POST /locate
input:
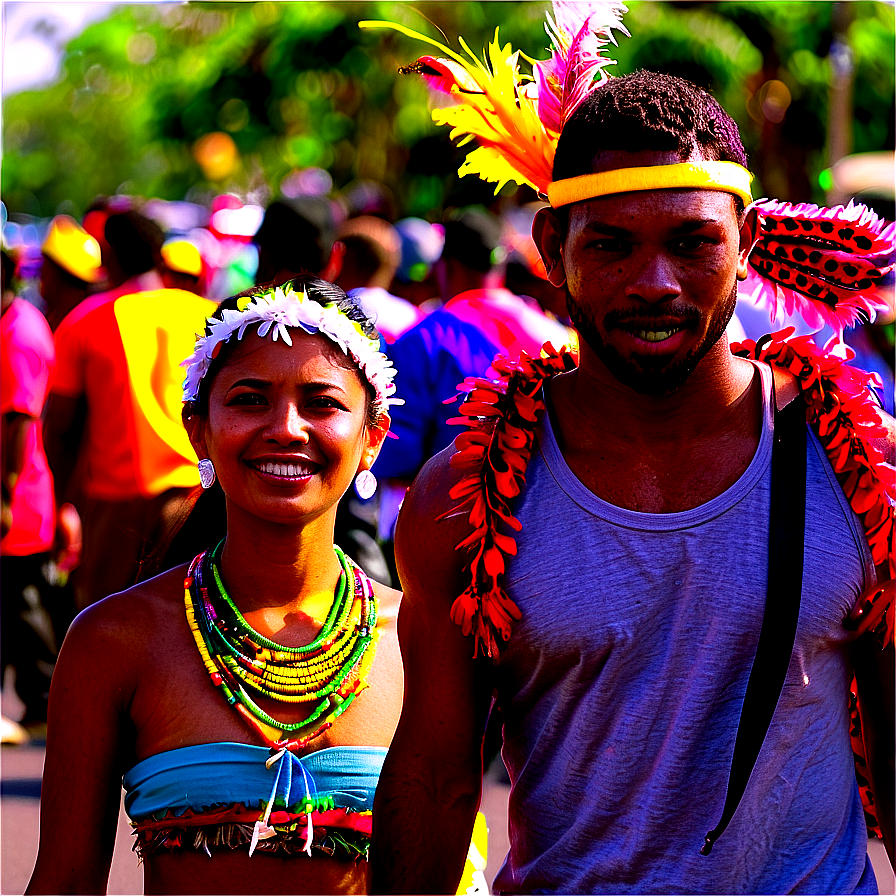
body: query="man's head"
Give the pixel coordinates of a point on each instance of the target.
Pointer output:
(472, 248)
(136, 244)
(650, 273)
(297, 236)
(70, 264)
(372, 253)
(647, 110)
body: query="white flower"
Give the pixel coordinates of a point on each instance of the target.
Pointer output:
(275, 312)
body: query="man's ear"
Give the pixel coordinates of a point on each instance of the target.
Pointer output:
(195, 427)
(549, 235)
(750, 231)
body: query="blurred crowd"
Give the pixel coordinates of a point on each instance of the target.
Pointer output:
(98, 313)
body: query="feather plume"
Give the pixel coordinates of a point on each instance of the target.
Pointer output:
(515, 119)
(579, 32)
(824, 263)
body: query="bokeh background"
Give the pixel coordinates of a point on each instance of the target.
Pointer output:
(185, 101)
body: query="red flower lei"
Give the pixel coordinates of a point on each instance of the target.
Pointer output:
(495, 450)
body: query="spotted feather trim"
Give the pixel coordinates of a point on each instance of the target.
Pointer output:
(825, 264)
(338, 833)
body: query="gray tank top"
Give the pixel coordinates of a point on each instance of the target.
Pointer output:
(622, 685)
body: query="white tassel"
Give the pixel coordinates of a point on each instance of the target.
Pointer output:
(262, 830)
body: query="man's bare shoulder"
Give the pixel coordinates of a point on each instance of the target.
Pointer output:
(430, 526)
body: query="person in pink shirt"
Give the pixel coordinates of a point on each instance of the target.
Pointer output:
(469, 280)
(26, 367)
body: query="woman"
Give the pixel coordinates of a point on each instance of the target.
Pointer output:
(248, 697)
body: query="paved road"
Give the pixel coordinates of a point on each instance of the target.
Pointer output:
(20, 773)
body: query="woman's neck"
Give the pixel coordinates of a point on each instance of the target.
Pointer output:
(282, 569)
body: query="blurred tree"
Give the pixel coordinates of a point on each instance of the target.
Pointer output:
(297, 84)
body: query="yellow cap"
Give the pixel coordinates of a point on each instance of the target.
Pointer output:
(73, 249)
(183, 257)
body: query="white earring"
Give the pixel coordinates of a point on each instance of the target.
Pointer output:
(206, 473)
(365, 484)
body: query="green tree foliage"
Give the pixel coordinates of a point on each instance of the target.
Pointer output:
(299, 84)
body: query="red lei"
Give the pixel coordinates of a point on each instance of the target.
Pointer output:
(495, 451)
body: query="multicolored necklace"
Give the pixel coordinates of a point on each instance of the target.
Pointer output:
(330, 671)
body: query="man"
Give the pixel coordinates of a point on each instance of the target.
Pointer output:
(372, 255)
(297, 236)
(641, 574)
(112, 433)
(183, 267)
(455, 341)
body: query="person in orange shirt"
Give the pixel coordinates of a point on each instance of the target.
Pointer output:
(114, 420)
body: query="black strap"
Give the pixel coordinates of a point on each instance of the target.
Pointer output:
(782, 603)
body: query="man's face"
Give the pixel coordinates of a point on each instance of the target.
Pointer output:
(651, 276)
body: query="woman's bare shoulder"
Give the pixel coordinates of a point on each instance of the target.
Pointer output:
(133, 613)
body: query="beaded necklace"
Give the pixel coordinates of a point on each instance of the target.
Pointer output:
(330, 671)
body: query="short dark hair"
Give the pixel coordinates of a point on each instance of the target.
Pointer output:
(295, 235)
(321, 291)
(646, 110)
(471, 237)
(136, 241)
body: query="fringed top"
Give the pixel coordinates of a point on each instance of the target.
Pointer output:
(230, 794)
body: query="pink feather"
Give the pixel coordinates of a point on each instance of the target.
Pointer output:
(579, 32)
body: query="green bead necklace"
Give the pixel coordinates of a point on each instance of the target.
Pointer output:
(330, 671)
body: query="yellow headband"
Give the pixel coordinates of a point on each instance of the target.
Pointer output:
(729, 177)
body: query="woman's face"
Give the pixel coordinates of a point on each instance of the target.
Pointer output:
(286, 427)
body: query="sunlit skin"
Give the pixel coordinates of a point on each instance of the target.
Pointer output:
(130, 683)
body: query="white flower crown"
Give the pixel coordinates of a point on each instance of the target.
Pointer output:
(277, 309)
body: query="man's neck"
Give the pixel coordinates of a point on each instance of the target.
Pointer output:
(658, 453)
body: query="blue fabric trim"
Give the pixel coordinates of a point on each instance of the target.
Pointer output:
(204, 775)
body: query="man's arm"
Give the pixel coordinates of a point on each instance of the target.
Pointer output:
(12, 458)
(63, 431)
(431, 783)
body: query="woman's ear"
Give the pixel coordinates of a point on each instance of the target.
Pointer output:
(376, 435)
(548, 234)
(195, 426)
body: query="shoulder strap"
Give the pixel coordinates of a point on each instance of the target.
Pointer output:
(782, 603)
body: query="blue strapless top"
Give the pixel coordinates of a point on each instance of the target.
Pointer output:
(204, 775)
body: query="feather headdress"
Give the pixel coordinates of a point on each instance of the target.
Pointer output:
(516, 119)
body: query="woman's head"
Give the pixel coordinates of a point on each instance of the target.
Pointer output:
(287, 394)
(306, 304)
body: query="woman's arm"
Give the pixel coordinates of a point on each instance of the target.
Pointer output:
(87, 746)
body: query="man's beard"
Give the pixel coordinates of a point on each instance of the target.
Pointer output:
(651, 375)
